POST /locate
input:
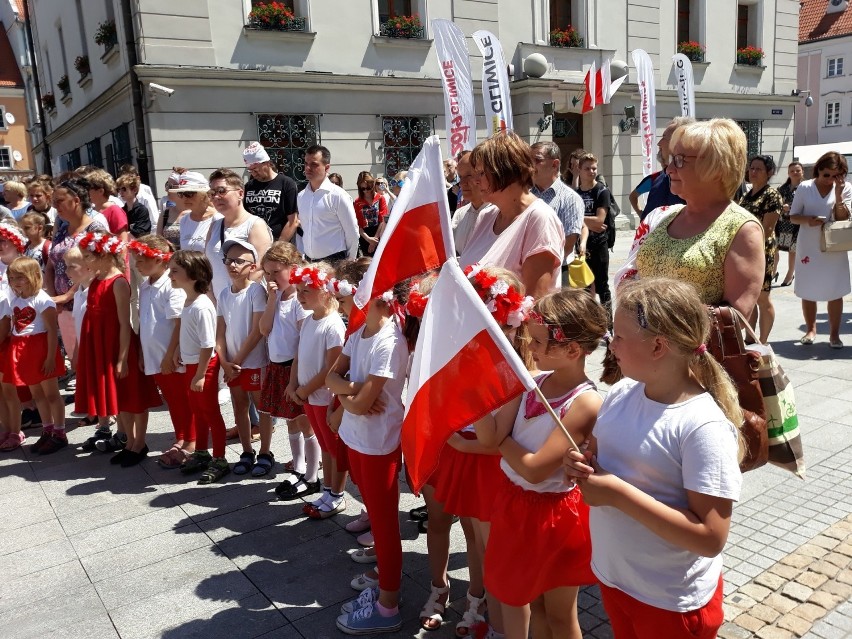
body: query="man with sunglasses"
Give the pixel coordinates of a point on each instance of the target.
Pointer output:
(270, 195)
(326, 213)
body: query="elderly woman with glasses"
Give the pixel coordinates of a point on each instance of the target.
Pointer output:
(710, 241)
(765, 203)
(821, 277)
(226, 193)
(171, 209)
(197, 212)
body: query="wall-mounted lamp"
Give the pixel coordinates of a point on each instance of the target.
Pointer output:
(547, 109)
(629, 123)
(809, 101)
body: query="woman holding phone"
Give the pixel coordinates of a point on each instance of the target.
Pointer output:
(821, 277)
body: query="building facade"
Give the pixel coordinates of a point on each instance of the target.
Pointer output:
(16, 159)
(191, 83)
(825, 56)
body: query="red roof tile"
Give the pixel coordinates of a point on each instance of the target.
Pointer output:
(816, 24)
(10, 75)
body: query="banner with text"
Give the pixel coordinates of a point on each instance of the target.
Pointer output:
(454, 59)
(685, 85)
(647, 108)
(495, 83)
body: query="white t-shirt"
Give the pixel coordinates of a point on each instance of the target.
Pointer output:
(237, 310)
(536, 230)
(197, 329)
(213, 248)
(78, 311)
(193, 235)
(385, 354)
(315, 339)
(283, 341)
(159, 305)
(5, 293)
(464, 219)
(27, 313)
(663, 450)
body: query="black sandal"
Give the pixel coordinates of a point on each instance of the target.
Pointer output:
(245, 464)
(300, 489)
(419, 514)
(264, 464)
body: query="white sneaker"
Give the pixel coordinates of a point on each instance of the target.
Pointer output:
(364, 581)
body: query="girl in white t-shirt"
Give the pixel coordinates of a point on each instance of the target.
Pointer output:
(280, 324)
(662, 474)
(34, 357)
(539, 549)
(191, 272)
(375, 358)
(320, 342)
(160, 309)
(12, 245)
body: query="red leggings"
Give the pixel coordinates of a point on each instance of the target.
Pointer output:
(205, 408)
(377, 478)
(175, 390)
(632, 619)
(328, 440)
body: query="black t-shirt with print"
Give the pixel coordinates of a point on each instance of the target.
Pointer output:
(272, 201)
(596, 197)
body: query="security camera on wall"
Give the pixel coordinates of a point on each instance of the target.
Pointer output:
(160, 89)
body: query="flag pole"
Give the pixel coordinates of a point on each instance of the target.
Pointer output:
(556, 419)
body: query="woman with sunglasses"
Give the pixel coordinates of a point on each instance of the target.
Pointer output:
(710, 242)
(370, 211)
(197, 213)
(171, 209)
(822, 277)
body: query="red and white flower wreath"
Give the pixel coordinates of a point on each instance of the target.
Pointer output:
(101, 243)
(143, 250)
(505, 304)
(416, 305)
(14, 235)
(310, 276)
(340, 287)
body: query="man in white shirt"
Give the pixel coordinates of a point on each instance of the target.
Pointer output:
(465, 216)
(326, 214)
(562, 198)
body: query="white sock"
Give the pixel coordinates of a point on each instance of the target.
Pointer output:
(313, 454)
(331, 501)
(297, 447)
(325, 495)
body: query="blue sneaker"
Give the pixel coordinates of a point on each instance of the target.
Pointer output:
(368, 621)
(367, 596)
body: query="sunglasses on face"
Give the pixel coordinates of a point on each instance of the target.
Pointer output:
(188, 195)
(219, 190)
(227, 261)
(398, 183)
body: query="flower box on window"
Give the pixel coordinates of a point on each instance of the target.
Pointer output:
(402, 27)
(692, 50)
(274, 16)
(567, 37)
(48, 101)
(106, 35)
(64, 85)
(750, 56)
(81, 63)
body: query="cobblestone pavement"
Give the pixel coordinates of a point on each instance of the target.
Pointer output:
(91, 550)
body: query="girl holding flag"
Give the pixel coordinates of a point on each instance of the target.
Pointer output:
(539, 549)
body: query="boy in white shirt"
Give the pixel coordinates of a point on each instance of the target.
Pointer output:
(242, 351)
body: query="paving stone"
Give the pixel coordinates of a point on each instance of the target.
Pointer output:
(25, 590)
(844, 577)
(785, 572)
(732, 631)
(844, 591)
(811, 579)
(755, 591)
(844, 549)
(764, 613)
(825, 541)
(824, 568)
(825, 599)
(100, 539)
(839, 560)
(780, 603)
(770, 580)
(796, 625)
(740, 600)
(804, 556)
(797, 591)
(73, 612)
(752, 624)
(809, 611)
(36, 558)
(773, 632)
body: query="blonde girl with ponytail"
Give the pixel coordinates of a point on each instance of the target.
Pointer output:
(662, 472)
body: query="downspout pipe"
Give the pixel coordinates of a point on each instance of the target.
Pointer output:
(136, 93)
(39, 106)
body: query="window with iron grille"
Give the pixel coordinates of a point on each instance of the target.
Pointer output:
(286, 137)
(754, 135)
(6, 157)
(403, 137)
(3, 126)
(71, 160)
(120, 148)
(93, 152)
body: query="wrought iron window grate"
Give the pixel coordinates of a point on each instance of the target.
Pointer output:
(403, 138)
(286, 137)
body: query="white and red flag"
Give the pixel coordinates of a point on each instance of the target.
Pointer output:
(600, 87)
(464, 368)
(417, 237)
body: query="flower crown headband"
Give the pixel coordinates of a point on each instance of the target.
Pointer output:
(14, 235)
(100, 243)
(142, 249)
(416, 305)
(340, 287)
(504, 302)
(310, 276)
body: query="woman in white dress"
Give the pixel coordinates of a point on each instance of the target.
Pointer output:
(822, 277)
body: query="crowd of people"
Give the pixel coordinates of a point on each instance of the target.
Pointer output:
(246, 289)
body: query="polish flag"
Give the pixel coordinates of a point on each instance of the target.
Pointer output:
(417, 237)
(464, 368)
(599, 86)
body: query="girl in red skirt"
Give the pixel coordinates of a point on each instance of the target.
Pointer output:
(539, 549)
(160, 307)
(13, 242)
(109, 378)
(34, 357)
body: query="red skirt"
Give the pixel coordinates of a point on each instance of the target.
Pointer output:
(27, 354)
(273, 396)
(466, 483)
(538, 542)
(4, 361)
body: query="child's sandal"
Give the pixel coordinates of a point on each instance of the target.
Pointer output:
(245, 464)
(263, 465)
(471, 617)
(432, 615)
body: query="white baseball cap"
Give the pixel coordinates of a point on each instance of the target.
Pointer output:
(254, 154)
(192, 181)
(242, 244)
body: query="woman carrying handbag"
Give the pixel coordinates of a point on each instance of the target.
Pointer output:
(822, 276)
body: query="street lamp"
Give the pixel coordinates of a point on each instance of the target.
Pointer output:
(809, 101)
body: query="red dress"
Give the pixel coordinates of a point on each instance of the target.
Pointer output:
(99, 391)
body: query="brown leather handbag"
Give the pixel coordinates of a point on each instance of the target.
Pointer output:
(727, 346)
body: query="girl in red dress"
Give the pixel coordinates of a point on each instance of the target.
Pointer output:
(109, 379)
(34, 357)
(13, 242)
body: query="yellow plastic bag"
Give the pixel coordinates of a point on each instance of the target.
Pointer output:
(579, 273)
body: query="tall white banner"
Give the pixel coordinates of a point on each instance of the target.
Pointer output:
(459, 109)
(685, 84)
(647, 108)
(495, 83)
